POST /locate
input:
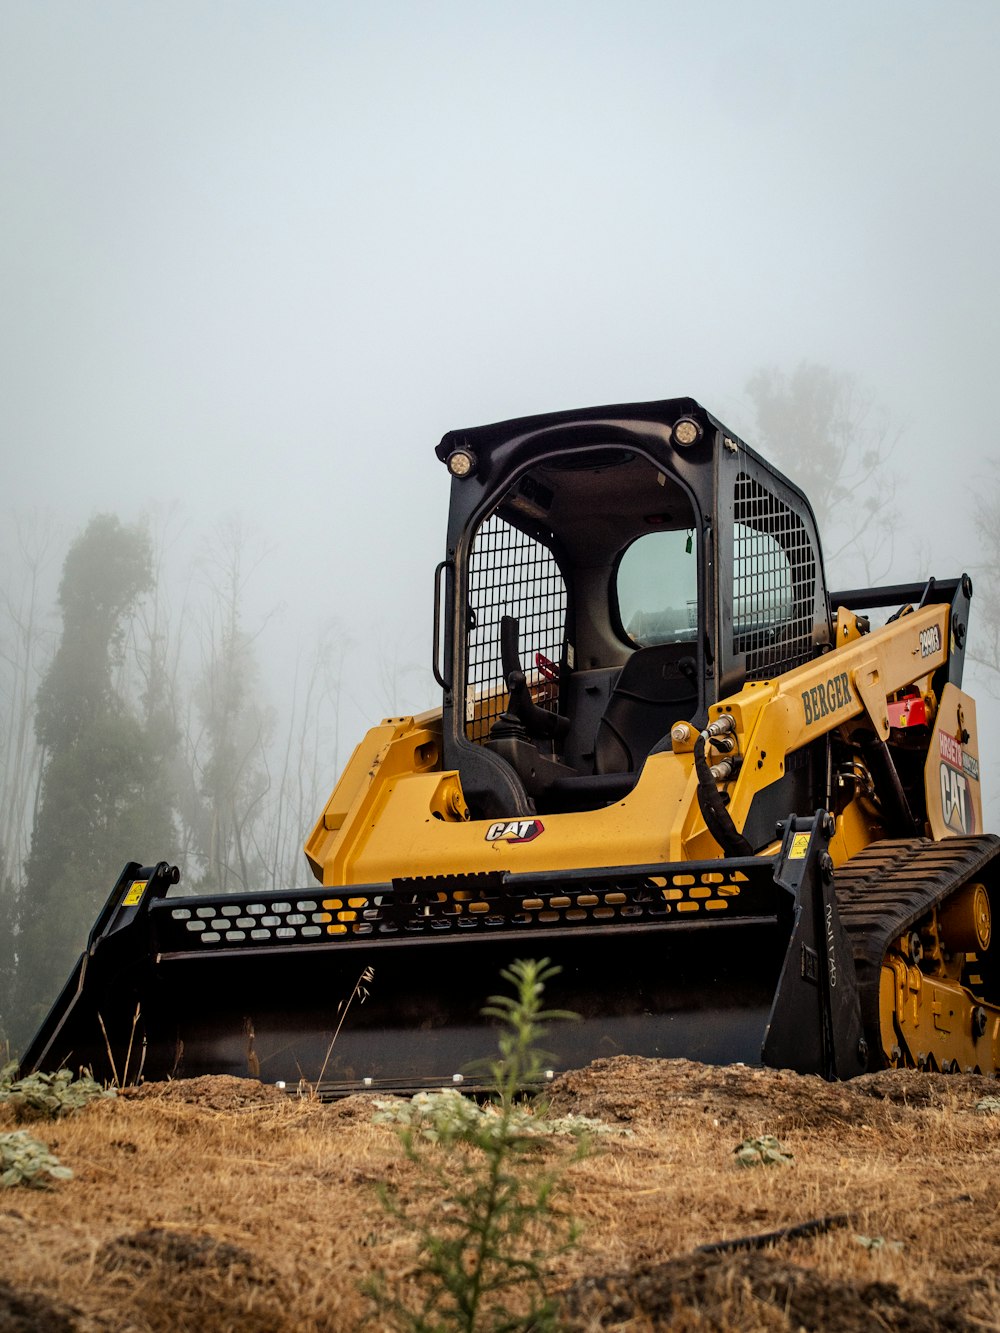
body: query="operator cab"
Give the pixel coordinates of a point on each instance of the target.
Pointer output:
(583, 598)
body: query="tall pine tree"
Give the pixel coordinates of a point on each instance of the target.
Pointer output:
(105, 795)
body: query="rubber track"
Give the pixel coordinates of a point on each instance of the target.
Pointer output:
(887, 888)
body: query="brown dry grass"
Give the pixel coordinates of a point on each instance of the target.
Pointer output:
(220, 1204)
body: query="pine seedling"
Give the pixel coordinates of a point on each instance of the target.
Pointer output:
(484, 1251)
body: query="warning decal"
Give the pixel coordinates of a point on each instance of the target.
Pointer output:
(800, 845)
(136, 889)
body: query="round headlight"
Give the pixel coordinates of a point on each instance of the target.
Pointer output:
(686, 432)
(461, 463)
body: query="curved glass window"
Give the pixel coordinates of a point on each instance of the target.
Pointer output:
(762, 583)
(657, 588)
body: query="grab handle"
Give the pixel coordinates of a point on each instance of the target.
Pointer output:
(435, 659)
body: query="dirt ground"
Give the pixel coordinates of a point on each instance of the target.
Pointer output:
(224, 1204)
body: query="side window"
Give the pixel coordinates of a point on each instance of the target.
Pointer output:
(657, 589)
(762, 585)
(774, 582)
(511, 574)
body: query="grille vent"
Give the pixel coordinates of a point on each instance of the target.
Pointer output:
(774, 583)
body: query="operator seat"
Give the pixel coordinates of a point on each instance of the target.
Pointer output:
(657, 687)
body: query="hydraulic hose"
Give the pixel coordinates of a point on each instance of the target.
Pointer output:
(711, 802)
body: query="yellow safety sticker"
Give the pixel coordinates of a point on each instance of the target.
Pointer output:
(800, 845)
(135, 893)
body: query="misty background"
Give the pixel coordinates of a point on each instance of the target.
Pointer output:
(257, 259)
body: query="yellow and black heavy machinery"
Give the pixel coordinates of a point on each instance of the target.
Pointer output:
(744, 820)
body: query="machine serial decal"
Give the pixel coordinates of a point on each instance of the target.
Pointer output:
(930, 641)
(953, 754)
(826, 698)
(514, 830)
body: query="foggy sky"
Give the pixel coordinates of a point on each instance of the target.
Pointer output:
(259, 257)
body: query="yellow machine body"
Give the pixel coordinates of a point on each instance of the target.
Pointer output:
(394, 806)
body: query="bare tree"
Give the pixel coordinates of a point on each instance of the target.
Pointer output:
(309, 759)
(825, 430)
(399, 682)
(26, 646)
(227, 750)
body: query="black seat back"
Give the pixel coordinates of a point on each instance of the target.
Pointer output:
(657, 687)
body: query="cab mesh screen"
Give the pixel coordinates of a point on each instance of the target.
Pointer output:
(511, 574)
(774, 583)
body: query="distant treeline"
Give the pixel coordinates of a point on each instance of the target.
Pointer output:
(139, 731)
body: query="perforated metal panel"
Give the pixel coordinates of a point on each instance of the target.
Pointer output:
(510, 574)
(774, 582)
(485, 903)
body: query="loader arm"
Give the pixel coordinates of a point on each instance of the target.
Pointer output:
(776, 719)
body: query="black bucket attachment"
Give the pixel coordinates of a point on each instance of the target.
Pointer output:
(381, 986)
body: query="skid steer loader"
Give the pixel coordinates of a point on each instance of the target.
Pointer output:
(746, 824)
